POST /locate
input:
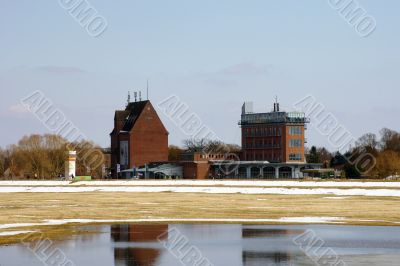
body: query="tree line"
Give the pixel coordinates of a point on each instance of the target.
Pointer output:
(44, 156)
(385, 151)
(202, 145)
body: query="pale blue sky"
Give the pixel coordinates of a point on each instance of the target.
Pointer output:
(212, 54)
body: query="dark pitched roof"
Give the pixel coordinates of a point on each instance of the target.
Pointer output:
(121, 115)
(135, 109)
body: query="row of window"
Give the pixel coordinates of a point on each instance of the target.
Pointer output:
(295, 157)
(277, 157)
(218, 156)
(295, 131)
(263, 143)
(265, 131)
(293, 143)
(271, 131)
(265, 157)
(260, 145)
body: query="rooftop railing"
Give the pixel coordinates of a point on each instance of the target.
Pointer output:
(274, 118)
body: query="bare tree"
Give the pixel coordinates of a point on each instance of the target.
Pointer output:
(210, 146)
(368, 142)
(387, 164)
(56, 151)
(234, 148)
(195, 145)
(174, 153)
(2, 162)
(32, 150)
(13, 162)
(325, 156)
(390, 140)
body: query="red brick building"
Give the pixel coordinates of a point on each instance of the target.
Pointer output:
(276, 137)
(198, 165)
(138, 138)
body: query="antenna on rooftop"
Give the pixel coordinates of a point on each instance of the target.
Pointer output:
(276, 105)
(135, 95)
(129, 98)
(147, 89)
(140, 96)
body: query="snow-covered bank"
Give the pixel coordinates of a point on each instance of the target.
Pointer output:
(283, 220)
(316, 220)
(211, 190)
(13, 233)
(330, 188)
(227, 183)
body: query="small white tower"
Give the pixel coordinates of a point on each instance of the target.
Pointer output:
(70, 164)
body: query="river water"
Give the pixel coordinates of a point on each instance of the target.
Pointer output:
(204, 245)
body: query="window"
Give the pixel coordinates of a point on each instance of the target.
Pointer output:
(295, 157)
(295, 143)
(295, 131)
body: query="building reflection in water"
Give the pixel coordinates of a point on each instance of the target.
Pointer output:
(270, 233)
(138, 245)
(255, 254)
(264, 258)
(137, 234)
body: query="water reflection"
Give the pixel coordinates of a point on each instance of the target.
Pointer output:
(139, 245)
(232, 245)
(136, 256)
(266, 258)
(258, 232)
(137, 234)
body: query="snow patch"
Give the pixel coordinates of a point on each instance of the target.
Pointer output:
(336, 198)
(260, 207)
(212, 190)
(13, 233)
(234, 183)
(168, 220)
(311, 219)
(6, 226)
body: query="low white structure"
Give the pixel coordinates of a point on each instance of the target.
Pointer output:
(260, 169)
(70, 165)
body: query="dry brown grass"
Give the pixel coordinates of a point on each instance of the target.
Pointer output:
(36, 207)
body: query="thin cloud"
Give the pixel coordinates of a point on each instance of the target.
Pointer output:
(246, 69)
(61, 70)
(234, 76)
(18, 109)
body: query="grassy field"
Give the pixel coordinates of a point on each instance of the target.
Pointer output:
(37, 207)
